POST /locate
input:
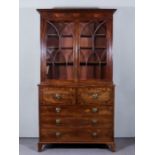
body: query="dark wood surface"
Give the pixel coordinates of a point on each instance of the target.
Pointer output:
(76, 110)
(76, 93)
(77, 134)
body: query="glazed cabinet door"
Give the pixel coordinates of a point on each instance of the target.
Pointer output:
(58, 39)
(76, 50)
(94, 50)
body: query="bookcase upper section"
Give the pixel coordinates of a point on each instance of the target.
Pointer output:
(76, 44)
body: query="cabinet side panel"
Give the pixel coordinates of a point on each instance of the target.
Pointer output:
(43, 48)
(109, 68)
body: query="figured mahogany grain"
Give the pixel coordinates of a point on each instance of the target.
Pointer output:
(76, 134)
(76, 97)
(50, 96)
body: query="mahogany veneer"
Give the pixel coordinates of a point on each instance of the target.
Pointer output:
(76, 93)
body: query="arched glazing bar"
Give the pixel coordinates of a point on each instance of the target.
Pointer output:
(87, 31)
(59, 56)
(60, 34)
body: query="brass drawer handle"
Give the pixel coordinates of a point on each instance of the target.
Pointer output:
(94, 134)
(58, 121)
(58, 96)
(94, 121)
(94, 109)
(95, 96)
(57, 109)
(58, 134)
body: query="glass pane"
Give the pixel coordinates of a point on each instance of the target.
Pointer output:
(59, 51)
(93, 50)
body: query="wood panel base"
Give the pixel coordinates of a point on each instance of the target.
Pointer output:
(111, 145)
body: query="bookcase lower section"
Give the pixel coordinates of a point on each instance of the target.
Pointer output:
(76, 115)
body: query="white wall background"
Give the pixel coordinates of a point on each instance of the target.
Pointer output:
(123, 55)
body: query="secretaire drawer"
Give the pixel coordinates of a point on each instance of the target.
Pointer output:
(50, 95)
(103, 96)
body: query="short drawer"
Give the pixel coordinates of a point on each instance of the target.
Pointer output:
(80, 110)
(102, 96)
(76, 134)
(50, 96)
(49, 122)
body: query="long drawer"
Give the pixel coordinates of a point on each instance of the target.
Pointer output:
(49, 122)
(78, 110)
(76, 134)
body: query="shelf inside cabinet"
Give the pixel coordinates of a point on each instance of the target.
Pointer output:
(93, 63)
(100, 35)
(81, 63)
(52, 35)
(60, 63)
(90, 48)
(90, 36)
(56, 48)
(63, 36)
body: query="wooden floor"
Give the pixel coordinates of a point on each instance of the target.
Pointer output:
(124, 146)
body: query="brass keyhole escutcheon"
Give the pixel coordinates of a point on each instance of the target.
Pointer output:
(57, 109)
(94, 121)
(95, 96)
(58, 134)
(58, 121)
(57, 96)
(94, 134)
(95, 110)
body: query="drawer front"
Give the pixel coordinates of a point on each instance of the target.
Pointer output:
(49, 122)
(50, 96)
(80, 110)
(76, 134)
(103, 96)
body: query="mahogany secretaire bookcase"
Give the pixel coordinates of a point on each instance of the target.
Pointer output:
(76, 93)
